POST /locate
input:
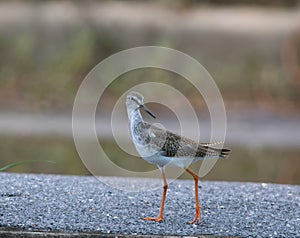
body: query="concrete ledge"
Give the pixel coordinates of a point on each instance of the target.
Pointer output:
(65, 206)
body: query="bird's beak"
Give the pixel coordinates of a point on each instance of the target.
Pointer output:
(146, 109)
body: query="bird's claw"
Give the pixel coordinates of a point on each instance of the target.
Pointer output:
(197, 216)
(156, 219)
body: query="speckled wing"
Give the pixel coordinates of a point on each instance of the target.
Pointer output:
(173, 145)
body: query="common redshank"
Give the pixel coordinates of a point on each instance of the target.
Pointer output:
(164, 148)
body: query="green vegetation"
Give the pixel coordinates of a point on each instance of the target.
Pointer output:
(9, 166)
(40, 73)
(60, 151)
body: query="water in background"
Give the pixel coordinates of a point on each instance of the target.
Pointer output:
(252, 52)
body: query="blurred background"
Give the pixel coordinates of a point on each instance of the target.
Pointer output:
(250, 47)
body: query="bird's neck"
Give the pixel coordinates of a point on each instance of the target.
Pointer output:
(135, 116)
(138, 128)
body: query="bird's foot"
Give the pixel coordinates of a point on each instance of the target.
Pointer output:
(197, 216)
(157, 219)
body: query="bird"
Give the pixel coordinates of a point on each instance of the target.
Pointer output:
(165, 148)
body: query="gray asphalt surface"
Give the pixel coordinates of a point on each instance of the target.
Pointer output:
(84, 204)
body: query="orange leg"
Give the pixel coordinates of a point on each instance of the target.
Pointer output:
(161, 211)
(198, 206)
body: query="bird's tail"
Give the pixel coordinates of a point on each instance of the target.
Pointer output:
(213, 152)
(224, 153)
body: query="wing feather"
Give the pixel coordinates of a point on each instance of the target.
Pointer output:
(173, 145)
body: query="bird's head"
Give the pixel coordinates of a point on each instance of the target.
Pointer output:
(135, 100)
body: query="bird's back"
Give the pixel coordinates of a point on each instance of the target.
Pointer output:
(170, 144)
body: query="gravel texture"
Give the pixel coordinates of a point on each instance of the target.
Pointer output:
(73, 204)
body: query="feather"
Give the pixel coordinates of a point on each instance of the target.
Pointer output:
(173, 145)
